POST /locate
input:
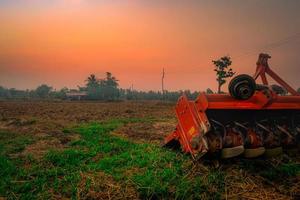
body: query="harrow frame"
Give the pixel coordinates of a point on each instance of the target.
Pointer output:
(193, 122)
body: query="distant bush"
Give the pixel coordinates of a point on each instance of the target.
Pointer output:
(43, 91)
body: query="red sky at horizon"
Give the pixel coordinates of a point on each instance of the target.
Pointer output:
(61, 42)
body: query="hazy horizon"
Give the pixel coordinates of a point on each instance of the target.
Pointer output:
(61, 42)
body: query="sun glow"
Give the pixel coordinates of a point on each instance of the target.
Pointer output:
(135, 40)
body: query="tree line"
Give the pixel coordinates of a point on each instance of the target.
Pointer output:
(107, 88)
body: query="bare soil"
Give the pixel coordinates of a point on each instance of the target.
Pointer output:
(46, 120)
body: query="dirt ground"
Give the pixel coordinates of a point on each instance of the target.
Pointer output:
(46, 121)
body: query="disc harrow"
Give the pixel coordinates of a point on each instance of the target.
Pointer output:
(251, 121)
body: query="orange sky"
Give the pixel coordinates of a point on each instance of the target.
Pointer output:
(61, 42)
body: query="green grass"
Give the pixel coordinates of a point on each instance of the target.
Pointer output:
(280, 172)
(155, 172)
(269, 171)
(11, 143)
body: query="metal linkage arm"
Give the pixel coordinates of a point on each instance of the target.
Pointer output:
(263, 68)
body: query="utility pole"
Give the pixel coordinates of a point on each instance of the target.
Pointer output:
(162, 83)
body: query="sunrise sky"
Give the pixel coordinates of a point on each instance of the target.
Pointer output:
(61, 42)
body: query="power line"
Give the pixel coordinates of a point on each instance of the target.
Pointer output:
(271, 45)
(268, 46)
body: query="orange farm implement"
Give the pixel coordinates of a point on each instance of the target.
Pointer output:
(252, 120)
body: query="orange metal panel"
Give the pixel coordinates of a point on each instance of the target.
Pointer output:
(258, 101)
(193, 122)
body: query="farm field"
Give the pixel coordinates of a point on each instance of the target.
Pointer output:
(94, 150)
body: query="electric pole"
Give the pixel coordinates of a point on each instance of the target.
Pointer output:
(162, 83)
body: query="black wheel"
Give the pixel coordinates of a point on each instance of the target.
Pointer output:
(242, 87)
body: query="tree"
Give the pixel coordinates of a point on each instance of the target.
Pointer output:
(93, 87)
(92, 81)
(110, 84)
(43, 91)
(60, 94)
(298, 90)
(222, 70)
(209, 91)
(102, 89)
(3, 92)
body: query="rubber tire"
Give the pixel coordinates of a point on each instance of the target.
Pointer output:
(242, 87)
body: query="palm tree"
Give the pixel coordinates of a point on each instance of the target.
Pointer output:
(111, 81)
(93, 87)
(92, 81)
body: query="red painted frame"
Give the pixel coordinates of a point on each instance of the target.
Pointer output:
(193, 123)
